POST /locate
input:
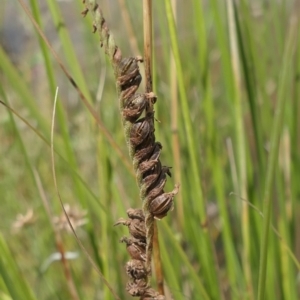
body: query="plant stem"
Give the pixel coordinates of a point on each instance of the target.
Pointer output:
(147, 17)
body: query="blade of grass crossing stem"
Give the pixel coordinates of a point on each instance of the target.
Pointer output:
(278, 120)
(204, 239)
(14, 281)
(60, 111)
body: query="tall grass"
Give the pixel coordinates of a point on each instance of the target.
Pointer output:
(235, 232)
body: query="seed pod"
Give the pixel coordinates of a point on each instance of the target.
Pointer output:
(136, 288)
(151, 294)
(135, 213)
(127, 92)
(153, 180)
(146, 169)
(155, 192)
(136, 228)
(148, 164)
(136, 269)
(156, 151)
(157, 179)
(126, 66)
(141, 130)
(160, 206)
(128, 73)
(150, 141)
(135, 101)
(134, 107)
(142, 154)
(135, 248)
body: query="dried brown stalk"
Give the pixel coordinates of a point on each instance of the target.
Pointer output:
(138, 121)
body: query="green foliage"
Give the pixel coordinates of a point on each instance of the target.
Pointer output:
(234, 232)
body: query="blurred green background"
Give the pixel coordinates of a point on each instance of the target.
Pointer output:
(226, 74)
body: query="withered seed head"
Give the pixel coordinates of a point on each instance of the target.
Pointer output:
(148, 167)
(136, 228)
(136, 288)
(142, 154)
(135, 213)
(160, 206)
(135, 248)
(128, 73)
(151, 294)
(136, 269)
(140, 131)
(155, 180)
(134, 107)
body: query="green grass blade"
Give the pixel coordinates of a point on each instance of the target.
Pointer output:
(274, 144)
(206, 248)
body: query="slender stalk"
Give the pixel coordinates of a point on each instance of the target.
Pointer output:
(147, 17)
(274, 144)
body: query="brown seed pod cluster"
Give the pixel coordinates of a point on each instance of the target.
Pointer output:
(136, 246)
(138, 122)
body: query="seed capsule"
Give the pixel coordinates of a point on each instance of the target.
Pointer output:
(151, 294)
(157, 179)
(149, 166)
(143, 153)
(136, 228)
(135, 248)
(141, 130)
(150, 163)
(135, 213)
(128, 73)
(160, 206)
(136, 288)
(134, 107)
(136, 269)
